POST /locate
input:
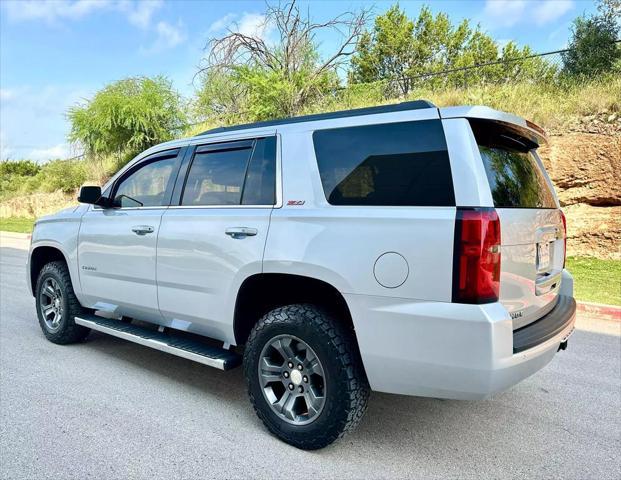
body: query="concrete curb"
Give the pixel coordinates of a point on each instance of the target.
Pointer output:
(609, 312)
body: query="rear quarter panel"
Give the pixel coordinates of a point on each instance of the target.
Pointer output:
(341, 244)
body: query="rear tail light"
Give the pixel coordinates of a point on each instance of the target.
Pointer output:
(476, 259)
(565, 232)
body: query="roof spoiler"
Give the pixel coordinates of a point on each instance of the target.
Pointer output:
(527, 129)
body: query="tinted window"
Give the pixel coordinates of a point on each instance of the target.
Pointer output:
(514, 175)
(260, 186)
(146, 186)
(216, 177)
(391, 164)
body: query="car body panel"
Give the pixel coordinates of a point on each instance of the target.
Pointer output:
(117, 266)
(200, 268)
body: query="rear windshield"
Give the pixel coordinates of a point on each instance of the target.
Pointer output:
(514, 174)
(393, 164)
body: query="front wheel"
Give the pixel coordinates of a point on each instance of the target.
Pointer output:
(57, 305)
(305, 377)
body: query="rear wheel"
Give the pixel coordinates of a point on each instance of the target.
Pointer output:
(57, 305)
(305, 378)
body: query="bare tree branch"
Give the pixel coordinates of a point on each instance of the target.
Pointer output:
(286, 45)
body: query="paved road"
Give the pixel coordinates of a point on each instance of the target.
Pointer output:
(111, 409)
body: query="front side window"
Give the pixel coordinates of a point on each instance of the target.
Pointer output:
(393, 164)
(147, 186)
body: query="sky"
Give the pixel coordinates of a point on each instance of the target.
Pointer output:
(54, 54)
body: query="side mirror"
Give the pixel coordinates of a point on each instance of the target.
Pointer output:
(91, 195)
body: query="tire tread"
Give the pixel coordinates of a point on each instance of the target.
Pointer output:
(356, 387)
(70, 332)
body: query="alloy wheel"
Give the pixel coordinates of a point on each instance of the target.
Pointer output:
(292, 379)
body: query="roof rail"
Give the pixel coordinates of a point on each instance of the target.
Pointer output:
(355, 112)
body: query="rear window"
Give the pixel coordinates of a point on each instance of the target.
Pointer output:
(515, 177)
(394, 164)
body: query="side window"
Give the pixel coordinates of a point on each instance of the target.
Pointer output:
(393, 164)
(245, 175)
(146, 186)
(260, 186)
(216, 177)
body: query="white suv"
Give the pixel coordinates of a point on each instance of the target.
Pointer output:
(404, 248)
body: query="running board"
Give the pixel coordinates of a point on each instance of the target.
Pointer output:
(170, 343)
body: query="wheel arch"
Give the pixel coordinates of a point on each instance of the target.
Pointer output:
(263, 292)
(39, 257)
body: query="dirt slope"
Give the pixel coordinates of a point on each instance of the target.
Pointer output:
(584, 162)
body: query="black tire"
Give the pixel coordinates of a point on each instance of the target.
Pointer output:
(347, 388)
(67, 331)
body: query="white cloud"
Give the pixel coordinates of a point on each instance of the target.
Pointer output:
(138, 12)
(504, 13)
(62, 150)
(52, 11)
(222, 23)
(250, 24)
(253, 25)
(6, 94)
(168, 36)
(34, 122)
(550, 10)
(507, 13)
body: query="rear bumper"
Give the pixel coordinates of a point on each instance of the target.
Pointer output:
(447, 350)
(549, 326)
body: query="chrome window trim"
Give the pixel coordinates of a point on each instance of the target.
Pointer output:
(177, 207)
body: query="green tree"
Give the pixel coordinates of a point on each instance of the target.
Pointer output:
(592, 48)
(127, 117)
(401, 52)
(388, 53)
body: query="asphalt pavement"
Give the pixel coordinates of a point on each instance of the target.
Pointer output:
(112, 409)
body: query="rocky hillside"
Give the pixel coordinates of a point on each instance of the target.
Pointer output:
(584, 162)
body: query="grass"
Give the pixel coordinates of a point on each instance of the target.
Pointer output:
(16, 224)
(596, 280)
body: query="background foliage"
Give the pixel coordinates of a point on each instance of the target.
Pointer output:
(245, 78)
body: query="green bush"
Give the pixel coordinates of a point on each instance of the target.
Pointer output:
(64, 175)
(127, 117)
(23, 168)
(24, 176)
(14, 174)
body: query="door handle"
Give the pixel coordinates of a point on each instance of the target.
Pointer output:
(142, 229)
(241, 232)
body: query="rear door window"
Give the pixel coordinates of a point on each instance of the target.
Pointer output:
(216, 178)
(233, 173)
(515, 176)
(393, 164)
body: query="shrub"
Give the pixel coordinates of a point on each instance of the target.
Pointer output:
(64, 175)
